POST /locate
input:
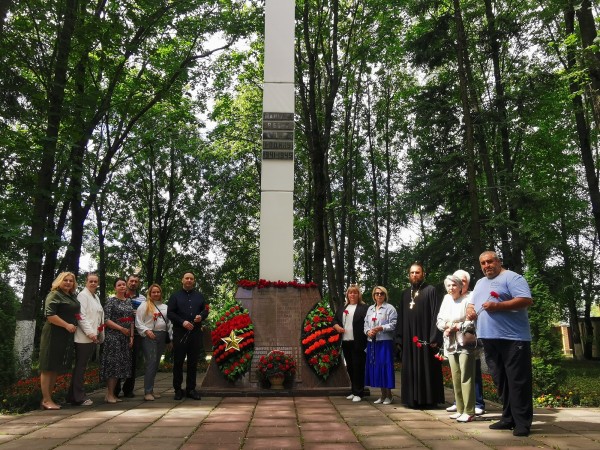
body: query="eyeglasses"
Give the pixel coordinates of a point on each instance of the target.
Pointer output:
(379, 293)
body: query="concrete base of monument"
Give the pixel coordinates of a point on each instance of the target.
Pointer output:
(278, 315)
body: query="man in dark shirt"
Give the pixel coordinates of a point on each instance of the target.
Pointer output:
(186, 310)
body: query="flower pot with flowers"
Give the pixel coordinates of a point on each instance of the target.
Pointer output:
(277, 367)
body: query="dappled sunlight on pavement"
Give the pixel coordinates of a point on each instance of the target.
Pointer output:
(324, 423)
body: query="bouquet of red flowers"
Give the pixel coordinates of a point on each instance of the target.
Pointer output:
(276, 363)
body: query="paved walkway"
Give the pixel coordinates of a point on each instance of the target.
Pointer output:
(308, 423)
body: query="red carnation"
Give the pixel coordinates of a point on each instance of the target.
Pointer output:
(346, 311)
(494, 294)
(419, 345)
(415, 339)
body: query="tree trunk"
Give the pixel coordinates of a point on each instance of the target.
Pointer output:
(583, 129)
(463, 68)
(317, 102)
(101, 248)
(587, 29)
(512, 253)
(43, 194)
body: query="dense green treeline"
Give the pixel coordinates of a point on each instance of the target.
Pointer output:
(426, 130)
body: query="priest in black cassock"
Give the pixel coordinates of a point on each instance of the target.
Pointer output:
(421, 381)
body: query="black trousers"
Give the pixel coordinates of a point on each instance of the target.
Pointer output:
(83, 353)
(355, 365)
(510, 366)
(186, 344)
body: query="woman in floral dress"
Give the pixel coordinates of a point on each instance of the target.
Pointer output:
(116, 359)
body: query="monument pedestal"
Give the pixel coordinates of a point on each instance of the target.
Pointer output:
(278, 315)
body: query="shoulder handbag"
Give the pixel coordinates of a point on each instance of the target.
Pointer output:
(167, 337)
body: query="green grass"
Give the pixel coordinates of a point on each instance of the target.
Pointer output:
(582, 383)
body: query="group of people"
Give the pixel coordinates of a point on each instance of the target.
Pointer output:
(127, 324)
(424, 328)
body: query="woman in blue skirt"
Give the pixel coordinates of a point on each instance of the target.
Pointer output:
(380, 327)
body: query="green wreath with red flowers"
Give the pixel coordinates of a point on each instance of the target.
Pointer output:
(321, 344)
(233, 340)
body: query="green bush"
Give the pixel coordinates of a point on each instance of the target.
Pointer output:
(546, 345)
(8, 311)
(547, 377)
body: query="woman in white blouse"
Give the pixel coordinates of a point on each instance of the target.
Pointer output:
(152, 324)
(452, 321)
(87, 336)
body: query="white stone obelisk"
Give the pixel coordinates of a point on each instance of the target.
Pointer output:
(277, 178)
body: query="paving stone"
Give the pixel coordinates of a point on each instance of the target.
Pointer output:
(373, 430)
(255, 432)
(264, 422)
(18, 428)
(116, 426)
(307, 423)
(111, 439)
(400, 441)
(457, 444)
(167, 432)
(326, 436)
(333, 446)
(137, 443)
(7, 437)
(56, 432)
(330, 426)
(231, 438)
(570, 442)
(272, 444)
(223, 427)
(32, 444)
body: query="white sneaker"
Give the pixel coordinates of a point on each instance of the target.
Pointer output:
(356, 398)
(387, 401)
(479, 411)
(378, 401)
(455, 415)
(451, 408)
(465, 418)
(350, 397)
